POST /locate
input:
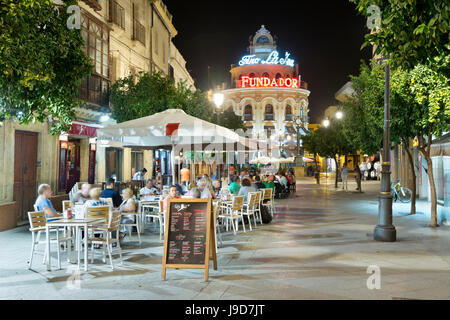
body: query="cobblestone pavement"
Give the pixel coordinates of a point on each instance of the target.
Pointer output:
(319, 246)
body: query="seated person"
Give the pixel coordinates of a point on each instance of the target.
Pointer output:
(82, 195)
(196, 194)
(149, 192)
(94, 200)
(173, 194)
(270, 182)
(127, 205)
(179, 189)
(246, 188)
(43, 202)
(258, 184)
(216, 188)
(206, 189)
(140, 175)
(235, 185)
(191, 187)
(109, 192)
(283, 180)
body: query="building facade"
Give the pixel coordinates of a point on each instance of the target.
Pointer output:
(267, 92)
(122, 37)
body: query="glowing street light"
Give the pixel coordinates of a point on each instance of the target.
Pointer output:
(218, 99)
(104, 118)
(339, 115)
(326, 123)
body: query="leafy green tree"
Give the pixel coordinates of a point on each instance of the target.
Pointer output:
(411, 32)
(148, 94)
(428, 92)
(230, 120)
(365, 114)
(41, 63)
(329, 142)
(144, 95)
(419, 107)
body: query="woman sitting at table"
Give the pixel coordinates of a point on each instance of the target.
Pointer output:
(94, 200)
(246, 188)
(216, 188)
(127, 205)
(191, 188)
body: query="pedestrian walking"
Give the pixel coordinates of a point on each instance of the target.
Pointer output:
(344, 175)
(358, 179)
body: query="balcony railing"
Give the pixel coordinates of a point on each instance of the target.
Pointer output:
(248, 117)
(95, 90)
(139, 32)
(269, 117)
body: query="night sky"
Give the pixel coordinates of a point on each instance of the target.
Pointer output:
(324, 38)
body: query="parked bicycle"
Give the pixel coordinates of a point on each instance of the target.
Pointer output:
(400, 193)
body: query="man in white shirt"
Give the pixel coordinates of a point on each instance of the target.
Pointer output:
(140, 174)
(148, 192)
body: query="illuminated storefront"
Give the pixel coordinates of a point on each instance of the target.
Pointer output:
(267, 92)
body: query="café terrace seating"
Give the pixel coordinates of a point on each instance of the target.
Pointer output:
(100, 236)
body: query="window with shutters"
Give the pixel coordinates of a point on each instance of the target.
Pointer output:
(95, 87)
(116, 14)
(138, 28)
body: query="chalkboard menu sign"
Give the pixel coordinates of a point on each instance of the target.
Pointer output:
(189, 235)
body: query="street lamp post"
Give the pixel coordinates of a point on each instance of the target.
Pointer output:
(218, 99)
(385, 231)
(298, 125)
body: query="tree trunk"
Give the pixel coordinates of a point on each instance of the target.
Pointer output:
(433, 222)
(411, 165)
(337, 173)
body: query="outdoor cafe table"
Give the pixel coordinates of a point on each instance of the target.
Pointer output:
(77, 224)
(151, 204)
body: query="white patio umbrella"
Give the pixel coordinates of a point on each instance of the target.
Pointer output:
(164, 129)
(170, 128)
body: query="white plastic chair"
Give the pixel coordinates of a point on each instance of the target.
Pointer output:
(112, 225)
(257, 207)
(136, 221)
(268, 197)
(38, 221)
(233, 212)
(249, 210)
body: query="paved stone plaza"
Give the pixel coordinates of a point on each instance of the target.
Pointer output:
(319, 246)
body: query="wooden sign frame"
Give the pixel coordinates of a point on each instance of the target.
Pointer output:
(210, 250)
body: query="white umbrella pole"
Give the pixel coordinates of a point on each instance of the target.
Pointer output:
(172, 160)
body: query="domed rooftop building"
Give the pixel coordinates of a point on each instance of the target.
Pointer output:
(268, 93)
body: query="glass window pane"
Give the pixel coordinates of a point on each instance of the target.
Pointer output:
(105, 59)
(98, 68)
(105, 70)
(91, 41)
(105, 48)
(92, 53)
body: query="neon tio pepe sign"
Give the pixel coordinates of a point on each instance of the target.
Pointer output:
(265, 82)
(272, 59)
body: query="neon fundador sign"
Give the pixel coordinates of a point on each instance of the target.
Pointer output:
(265, 82)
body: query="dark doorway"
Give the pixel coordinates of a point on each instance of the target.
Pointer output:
(73, 164)
(113, 162)
(25, 163)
